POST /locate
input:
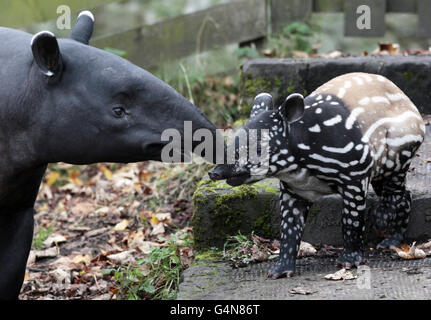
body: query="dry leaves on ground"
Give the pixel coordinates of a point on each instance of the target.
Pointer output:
(99, 218)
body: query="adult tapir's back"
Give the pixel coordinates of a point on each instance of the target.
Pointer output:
(388, 120)
(15, 56)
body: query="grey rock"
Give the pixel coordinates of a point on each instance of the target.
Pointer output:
(281, 77)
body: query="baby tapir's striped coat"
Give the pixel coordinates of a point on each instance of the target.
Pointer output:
(355, 130)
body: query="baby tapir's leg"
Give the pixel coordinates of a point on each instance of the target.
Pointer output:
(16, 234)
(294, 212)
(354, 203)
(393, 211)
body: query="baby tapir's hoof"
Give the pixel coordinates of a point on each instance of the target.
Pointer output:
(391, 241)
(280, 270)
(349, 259)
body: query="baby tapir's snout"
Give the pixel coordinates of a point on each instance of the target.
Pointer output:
(233, 175)
(221, 172)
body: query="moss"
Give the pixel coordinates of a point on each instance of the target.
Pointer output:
(262, 226)
(265, 187)
(291, 87)
(251, 87)
(224, 205)
(211, 254)
(227, 217)
(408, 75)
(271, 190)
(313, 212)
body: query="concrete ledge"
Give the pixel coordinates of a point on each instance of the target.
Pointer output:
(280, 77)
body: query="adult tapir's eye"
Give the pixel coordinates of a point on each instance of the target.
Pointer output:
(119, 112)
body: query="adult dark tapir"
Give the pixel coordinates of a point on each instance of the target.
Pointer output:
(62, 100)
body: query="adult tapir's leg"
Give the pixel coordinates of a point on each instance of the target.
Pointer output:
(294, 212)
(16, 234)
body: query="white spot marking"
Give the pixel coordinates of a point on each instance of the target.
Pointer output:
(346, 149)
(328, 160)
(353, 116)
(315, 128)
(303, 146)
(333, 121)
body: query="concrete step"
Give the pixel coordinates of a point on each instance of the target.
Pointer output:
(222, 210)
(281, 77)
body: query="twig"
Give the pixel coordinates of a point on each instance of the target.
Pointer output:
(189, 89)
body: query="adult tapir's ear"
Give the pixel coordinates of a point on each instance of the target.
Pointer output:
(84, 27)
(293, 108)
(47, 54)
(262, 102)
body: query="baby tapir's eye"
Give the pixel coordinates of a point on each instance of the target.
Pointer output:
(119, 112)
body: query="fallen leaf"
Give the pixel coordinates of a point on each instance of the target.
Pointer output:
(106, 171)
(48, 253)
(83, 208)
(134, 237)
(154, 221)
(31, 258)
(333, 55)
(52, 177)
(145, 247)
(122, 226)
(85, 259)
(390, 48)
(54, 239)
(96, 232)
(73, 178)
(426, 247)
(60, 276)
(306, 249)
(65, 263)
(342, 274)
(259, 255)
(122, 257)
(27, 276)
(300, 54)
(158, 229)
(186, 256)
(300, 290)
(164, 217)
(412, 253)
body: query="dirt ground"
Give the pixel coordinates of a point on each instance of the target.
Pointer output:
(92, 220)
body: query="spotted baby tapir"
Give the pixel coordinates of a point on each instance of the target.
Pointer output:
(355, 130)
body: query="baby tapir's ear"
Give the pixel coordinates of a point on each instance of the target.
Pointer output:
(47, 54)
(262, 102)
(293, 108)
(84, 27)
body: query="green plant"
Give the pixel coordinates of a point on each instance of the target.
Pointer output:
(157, 275)
(237, 249)
(42, 234)
(296, 36)
(246, 53)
